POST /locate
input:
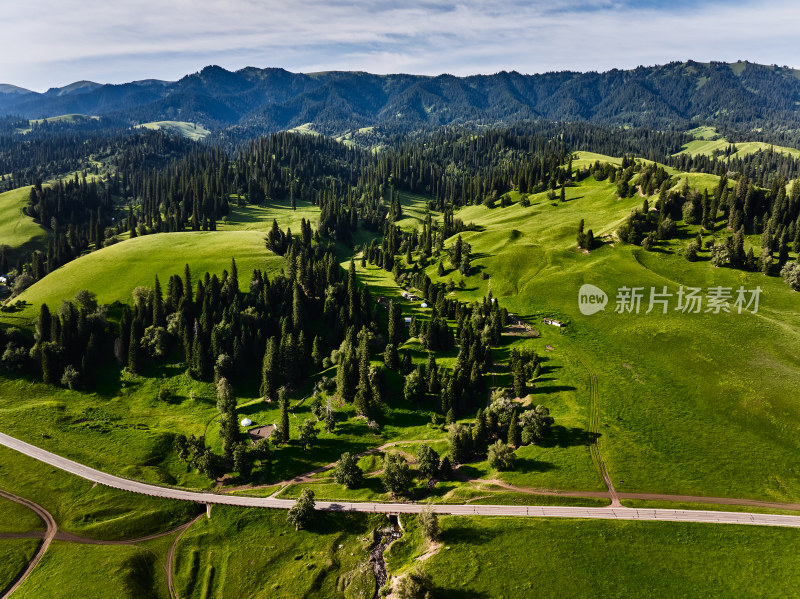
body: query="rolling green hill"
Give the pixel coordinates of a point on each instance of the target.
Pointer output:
(113, 272)
(193, 131)
(17, 230)
(691, 403)
(708, 141)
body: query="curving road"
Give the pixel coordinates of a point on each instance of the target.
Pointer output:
(603, 513)
(50, 532)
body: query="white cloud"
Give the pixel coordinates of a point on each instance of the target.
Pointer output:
(59, 42)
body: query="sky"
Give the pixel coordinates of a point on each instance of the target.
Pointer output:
(56, 42)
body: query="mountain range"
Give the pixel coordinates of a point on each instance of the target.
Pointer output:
(677, 93)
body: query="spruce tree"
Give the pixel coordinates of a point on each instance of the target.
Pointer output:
(134, 351)
(158, 305)
(316, 353)
(187, 285)
(514, 432)
(44, 324)
(283, 428)
(269, 370)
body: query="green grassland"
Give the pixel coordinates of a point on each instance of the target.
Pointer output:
(64, 118)
(305, 128)
(84, 509)
(15, 517)
(690, 403)
(113, 571)
(259, 217)
(506, 557)
(17, 230)
(708, 141)
(415, 210)
(192, 131)
(163, 254)
(14, 556)
(704, 132)
(256, 553)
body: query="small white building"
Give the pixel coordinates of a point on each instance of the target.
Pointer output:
(246, 422)
(424, 305)
(552, 321)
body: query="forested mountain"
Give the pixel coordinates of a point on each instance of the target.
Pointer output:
(257, 101)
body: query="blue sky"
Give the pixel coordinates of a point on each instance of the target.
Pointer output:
(112, 41)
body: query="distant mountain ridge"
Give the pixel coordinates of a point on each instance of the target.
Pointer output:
(273, 98)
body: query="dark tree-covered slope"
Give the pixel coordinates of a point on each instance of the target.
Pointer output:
(263, 100)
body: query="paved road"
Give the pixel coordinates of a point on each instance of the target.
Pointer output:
(604, 513)
(50, 532)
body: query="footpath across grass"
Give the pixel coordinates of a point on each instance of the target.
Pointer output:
(97, 571)
(14, 556)
(84, 509)
(17, 518)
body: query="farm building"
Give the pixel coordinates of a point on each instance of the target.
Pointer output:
(553, 321)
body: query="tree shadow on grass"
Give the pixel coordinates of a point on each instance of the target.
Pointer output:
(552, 389)
(569, 437)
(469, 536)
(529, 465)
(458, 594)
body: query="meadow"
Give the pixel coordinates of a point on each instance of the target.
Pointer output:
(18, 231)
(82, 508)
(16, 518)
(256, 553)
(103, 571)
(193, 131)
(708, 141)
(14, 556)
(144, 257)
(505, 557)
(690, 403)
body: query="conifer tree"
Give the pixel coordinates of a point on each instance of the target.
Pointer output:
(316, 352)
(134, 351)
(270, 370)
(44, 324)
(514, 432)
(158, 305)
(283, 427)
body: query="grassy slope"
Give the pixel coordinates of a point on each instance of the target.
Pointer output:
(70, 118)
(15, 517)
(17, 230)
(705, 406)
(255, 217)
(707, 141)
(14, 556)
(415, 209)
(193, 131)
(113, 272)
(707, 147)
(75, 570)
(504, 557)
(255, 553)
(84, 509)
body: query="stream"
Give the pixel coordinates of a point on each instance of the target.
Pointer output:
(389, 534)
